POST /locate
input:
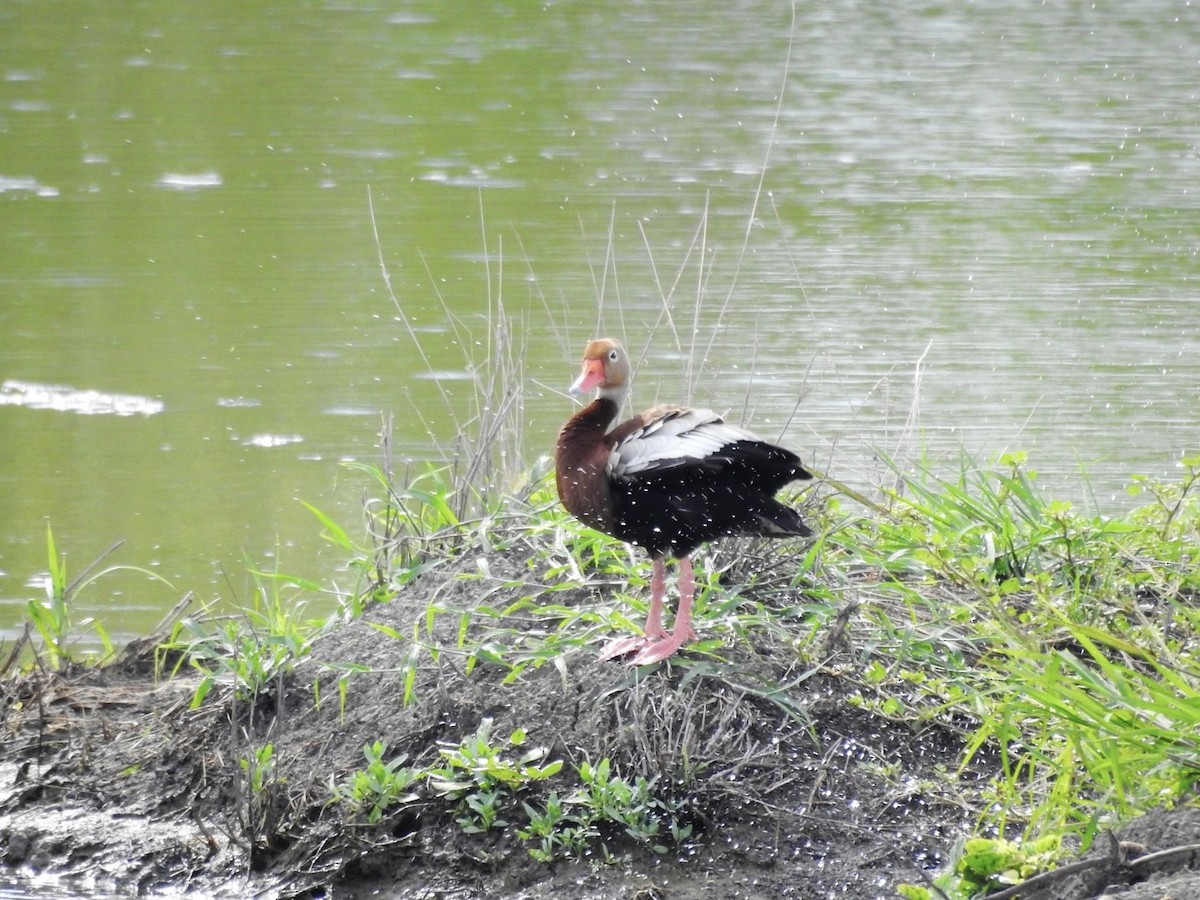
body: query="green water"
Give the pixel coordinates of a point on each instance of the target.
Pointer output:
(997, 201)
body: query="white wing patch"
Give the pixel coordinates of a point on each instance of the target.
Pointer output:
(675, 437)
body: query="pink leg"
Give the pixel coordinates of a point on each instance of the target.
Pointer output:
(658, 589)
(654, 630)
(683, 633)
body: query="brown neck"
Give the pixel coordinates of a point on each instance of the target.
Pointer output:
(585, 430)
(600, 413)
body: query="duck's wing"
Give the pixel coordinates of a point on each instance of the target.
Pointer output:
(670, 438)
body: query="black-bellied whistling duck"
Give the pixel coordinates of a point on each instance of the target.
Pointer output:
(667, 480)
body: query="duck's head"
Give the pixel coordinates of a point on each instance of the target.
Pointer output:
(605, 368)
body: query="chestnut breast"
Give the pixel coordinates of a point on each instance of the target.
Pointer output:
(580, 462)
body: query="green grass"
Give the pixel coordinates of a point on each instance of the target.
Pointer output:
(1062, 642)
(1069, 640)
(1066, 639)
(250, 650)
(54, 621)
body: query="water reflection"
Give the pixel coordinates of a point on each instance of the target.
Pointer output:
(67, 399)
(184, 182)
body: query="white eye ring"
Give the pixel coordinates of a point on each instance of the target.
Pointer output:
(612, 355)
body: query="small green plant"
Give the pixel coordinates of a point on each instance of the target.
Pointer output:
(986, 865)
(1174, 503)
(633, 805)
(250, 650)
(476, 762)
(258, 810)
(53, 619)
(481, 811)
(482, 778)
(259, 767)
(556, 831)
(603, 800)
(610, 798)
(383, 784)
(258, 814)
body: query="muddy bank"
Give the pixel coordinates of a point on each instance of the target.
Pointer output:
(113, 778)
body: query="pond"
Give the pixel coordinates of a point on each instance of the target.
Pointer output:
(238, 237)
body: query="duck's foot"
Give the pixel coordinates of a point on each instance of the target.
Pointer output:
(626, 646)
(623, 647)
(657, 651)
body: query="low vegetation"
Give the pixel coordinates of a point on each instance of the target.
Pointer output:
(1059, 646)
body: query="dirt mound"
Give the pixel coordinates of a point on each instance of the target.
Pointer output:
(779, 780)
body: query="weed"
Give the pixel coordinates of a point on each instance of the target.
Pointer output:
(1098, 729)
(556, 832)
(603, 800)
(259, 768)
(987, 865)
(250, 650)
(607, 797)
(1174, 504)
(53, 619)
(379, 787)
(258, 796)
(1084, 682)
(479, 776)
(487, 782)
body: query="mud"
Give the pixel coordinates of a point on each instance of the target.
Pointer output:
(111, 779)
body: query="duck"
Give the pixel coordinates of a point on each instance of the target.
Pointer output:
(667, 480)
